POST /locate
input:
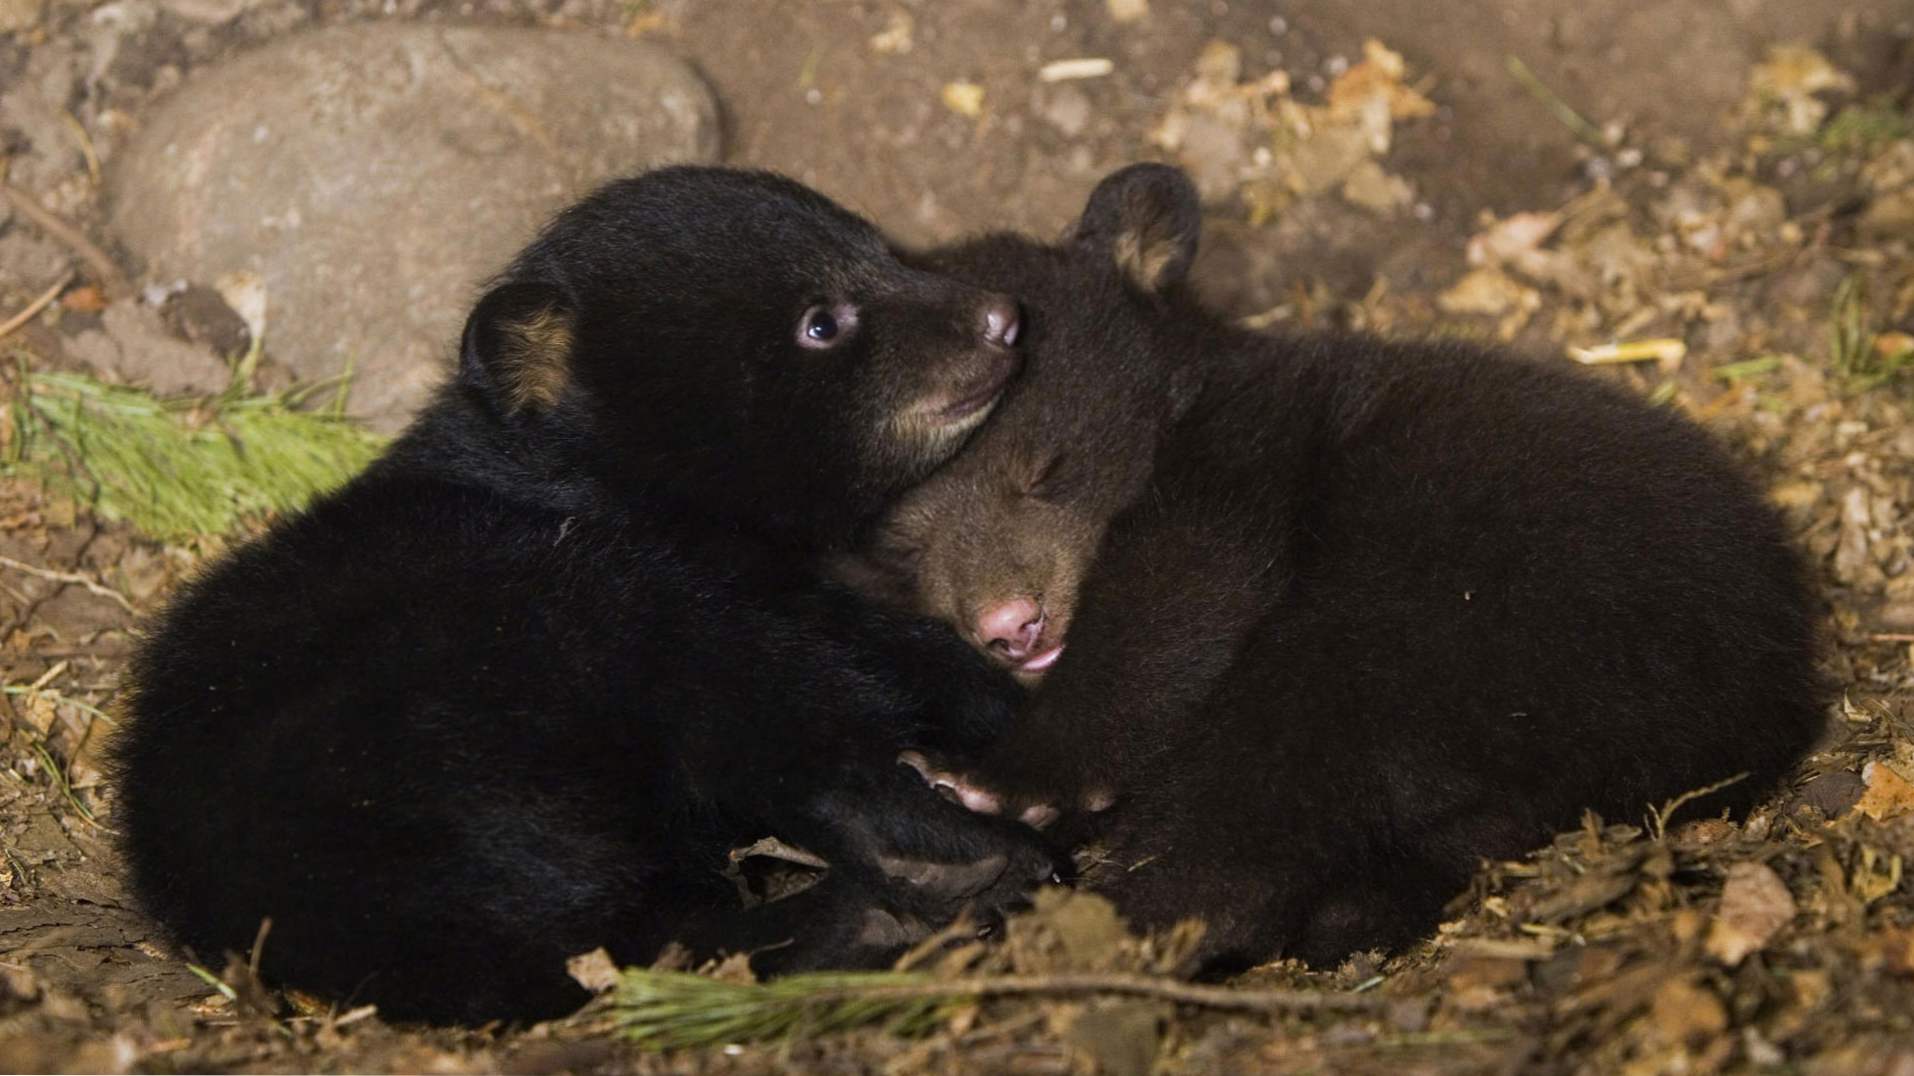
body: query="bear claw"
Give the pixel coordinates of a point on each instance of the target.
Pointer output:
(962, 790)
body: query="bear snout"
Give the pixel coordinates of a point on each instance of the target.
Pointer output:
(1001, 322)
(1012, 628)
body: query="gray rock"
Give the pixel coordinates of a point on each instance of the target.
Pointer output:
(373, 176)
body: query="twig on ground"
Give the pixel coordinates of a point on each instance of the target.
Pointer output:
(85, 142)
(1658, 818)
(93, 586)
(1539, 90)
(111, 279)
(41, 302)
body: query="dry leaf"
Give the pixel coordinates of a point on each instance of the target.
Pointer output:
(1371, 188)
(1507, 239)
(594, 970)
(1488, 291)
(964, 98)
(1876, 873)
(1811, 987)
(1787, 83)
(85, 299)
(1755, 903)
(896, 37)
(1888, 795)
(1127, 10)
(1378, 77)
(1889, 950)
(1684, 1012)
(1493, 293)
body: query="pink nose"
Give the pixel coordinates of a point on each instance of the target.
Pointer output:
(1011, 628)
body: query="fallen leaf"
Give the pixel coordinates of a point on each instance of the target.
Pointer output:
(895, 38)
(1491, 292)
(1801, 494)
(1127, 10)
(85, 299)
(245, 292)
(1684, 1012)
(1787, 82)
(1888, 794)
(1812, 986)
(1876, 873)
(1488, 291)
(1505, 240)
(964, 98)
(594, 971)
(1755, 904)
(1889, 950)
(1378, 77)
(1371, 188)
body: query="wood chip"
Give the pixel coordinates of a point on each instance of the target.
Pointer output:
(1755, 904)
(1082, 67)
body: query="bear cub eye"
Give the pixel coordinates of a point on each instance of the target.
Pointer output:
(824, 327)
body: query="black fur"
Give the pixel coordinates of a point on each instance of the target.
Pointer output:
(1381, 610)
(515, 691)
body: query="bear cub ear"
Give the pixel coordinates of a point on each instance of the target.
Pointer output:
(518, 343)
(1145, 217)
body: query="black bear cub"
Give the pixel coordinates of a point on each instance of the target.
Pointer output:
(515, 691)
(1343, 616)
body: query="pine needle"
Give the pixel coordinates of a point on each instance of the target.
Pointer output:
(665, 1010)
(177, 469)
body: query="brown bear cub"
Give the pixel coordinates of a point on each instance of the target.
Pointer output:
(515, 691)
(1344, 616)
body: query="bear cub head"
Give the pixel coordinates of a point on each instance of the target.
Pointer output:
(735, 343)
(998, 541)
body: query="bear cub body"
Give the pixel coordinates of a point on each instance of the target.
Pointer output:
(1347, 616)
(514, 692)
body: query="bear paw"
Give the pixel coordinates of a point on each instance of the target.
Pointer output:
(978, 795)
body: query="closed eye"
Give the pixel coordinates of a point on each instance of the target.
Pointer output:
(1050, 479)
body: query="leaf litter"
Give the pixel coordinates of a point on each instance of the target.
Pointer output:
(1765, 288)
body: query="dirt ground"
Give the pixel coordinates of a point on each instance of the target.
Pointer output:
(1648, 186)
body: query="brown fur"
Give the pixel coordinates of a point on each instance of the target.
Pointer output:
(1019, 512)
(1380, 611)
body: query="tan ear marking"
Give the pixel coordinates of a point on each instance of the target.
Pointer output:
(534, 358)
(1143, 261)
